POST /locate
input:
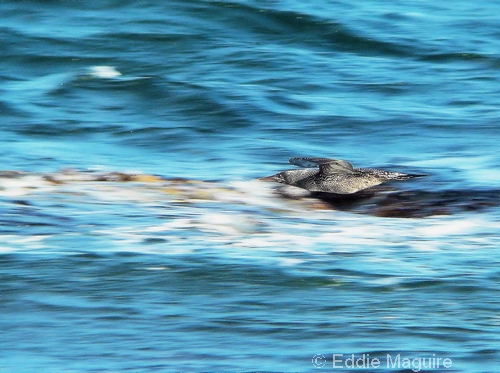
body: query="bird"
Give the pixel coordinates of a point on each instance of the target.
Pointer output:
(334, 176)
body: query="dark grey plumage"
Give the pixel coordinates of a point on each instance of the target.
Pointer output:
(334, 176)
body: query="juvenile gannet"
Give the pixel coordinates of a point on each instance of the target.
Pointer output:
(334, 176)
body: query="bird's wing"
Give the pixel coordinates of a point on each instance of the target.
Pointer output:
(326, 165)
(336, 167)
(309, 161)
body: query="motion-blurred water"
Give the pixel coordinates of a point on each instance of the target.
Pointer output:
(112, 278)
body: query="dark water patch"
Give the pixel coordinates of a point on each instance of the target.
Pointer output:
(145, 87)
(284, 27)
(307, 31)
(62, 129)
(93, 278)
(411, 204)
(422, 283)
(245, 275)
(8, 110)
(32, 221)
(447, 58)
(182, 40)
(386, 88)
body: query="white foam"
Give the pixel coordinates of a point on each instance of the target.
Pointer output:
(104, 72)
(239, 222)
(289, 262)
(15, 243)
(21, 186)
(446, 228)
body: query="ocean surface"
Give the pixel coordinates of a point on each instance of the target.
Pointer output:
(195, 265)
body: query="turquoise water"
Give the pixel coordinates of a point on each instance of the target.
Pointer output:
(227, 275)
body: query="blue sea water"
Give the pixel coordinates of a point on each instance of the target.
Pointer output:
(113, 278)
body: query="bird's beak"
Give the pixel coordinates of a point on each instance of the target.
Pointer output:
(268, 178)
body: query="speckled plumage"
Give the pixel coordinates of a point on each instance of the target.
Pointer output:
(334, 176)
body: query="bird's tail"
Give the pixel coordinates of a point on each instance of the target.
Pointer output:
(389, 175)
